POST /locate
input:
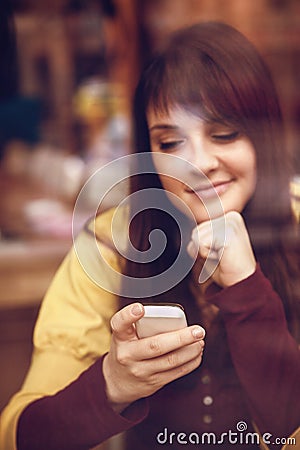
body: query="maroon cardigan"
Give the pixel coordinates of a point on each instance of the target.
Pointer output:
(250, 373)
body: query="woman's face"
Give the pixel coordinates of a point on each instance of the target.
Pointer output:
(222, 162)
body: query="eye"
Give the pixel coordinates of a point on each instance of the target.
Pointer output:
(170, 145)
(225, 136)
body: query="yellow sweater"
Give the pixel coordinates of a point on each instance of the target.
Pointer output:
(72, 329)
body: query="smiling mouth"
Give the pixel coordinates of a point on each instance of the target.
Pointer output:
(210, 191)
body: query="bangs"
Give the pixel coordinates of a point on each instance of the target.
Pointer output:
(192, 81)
(212, 71)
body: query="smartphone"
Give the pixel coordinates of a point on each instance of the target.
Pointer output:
(160, 318)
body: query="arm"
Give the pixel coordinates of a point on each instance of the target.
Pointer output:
(77, 417)
(86, 412)
(71, 333)
(65, 388)
(264, 354)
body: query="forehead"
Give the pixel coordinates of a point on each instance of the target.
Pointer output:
(174, 116)
(177, 117)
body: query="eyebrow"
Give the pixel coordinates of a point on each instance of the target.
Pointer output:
(163, 127)
(167, 126)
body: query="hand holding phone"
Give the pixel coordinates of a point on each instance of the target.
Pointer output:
(136, 368)
(160, 318)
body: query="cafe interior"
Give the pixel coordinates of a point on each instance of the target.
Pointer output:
(68, 72)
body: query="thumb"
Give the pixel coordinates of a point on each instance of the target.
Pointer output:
(122, 322)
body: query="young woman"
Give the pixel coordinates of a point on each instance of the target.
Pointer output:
(208, 101)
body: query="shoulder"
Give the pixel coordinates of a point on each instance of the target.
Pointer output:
(109, 228)
(100, 248)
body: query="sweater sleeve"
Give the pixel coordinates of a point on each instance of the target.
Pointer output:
(77, 417)
(265, 355)
(73, 327)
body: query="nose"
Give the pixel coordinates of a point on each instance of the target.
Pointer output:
(203, 156)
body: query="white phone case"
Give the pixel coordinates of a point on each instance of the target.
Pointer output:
(160, 318)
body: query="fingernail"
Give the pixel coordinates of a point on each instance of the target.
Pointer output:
(137, 309)
(198, 333)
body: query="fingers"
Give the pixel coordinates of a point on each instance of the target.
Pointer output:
(224, 241)
(171, 374)
(151, 348)
(156, 371)
(208, 238)
(175, 359)
(162, 370)
(122, 322)
(165, 343)
(136, 368)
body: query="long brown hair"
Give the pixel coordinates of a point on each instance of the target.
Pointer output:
(214, 71)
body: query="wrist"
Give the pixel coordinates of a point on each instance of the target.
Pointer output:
(111, 389)
(238, 274)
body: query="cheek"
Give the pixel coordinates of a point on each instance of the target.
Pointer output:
(251, 171)
(243, 165)
(170, 184)
(172, 170)
(247, 171)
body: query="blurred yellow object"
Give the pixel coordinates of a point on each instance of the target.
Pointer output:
(96, 100)
(295, 196)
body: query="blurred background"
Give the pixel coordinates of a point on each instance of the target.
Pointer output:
(67, 74)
